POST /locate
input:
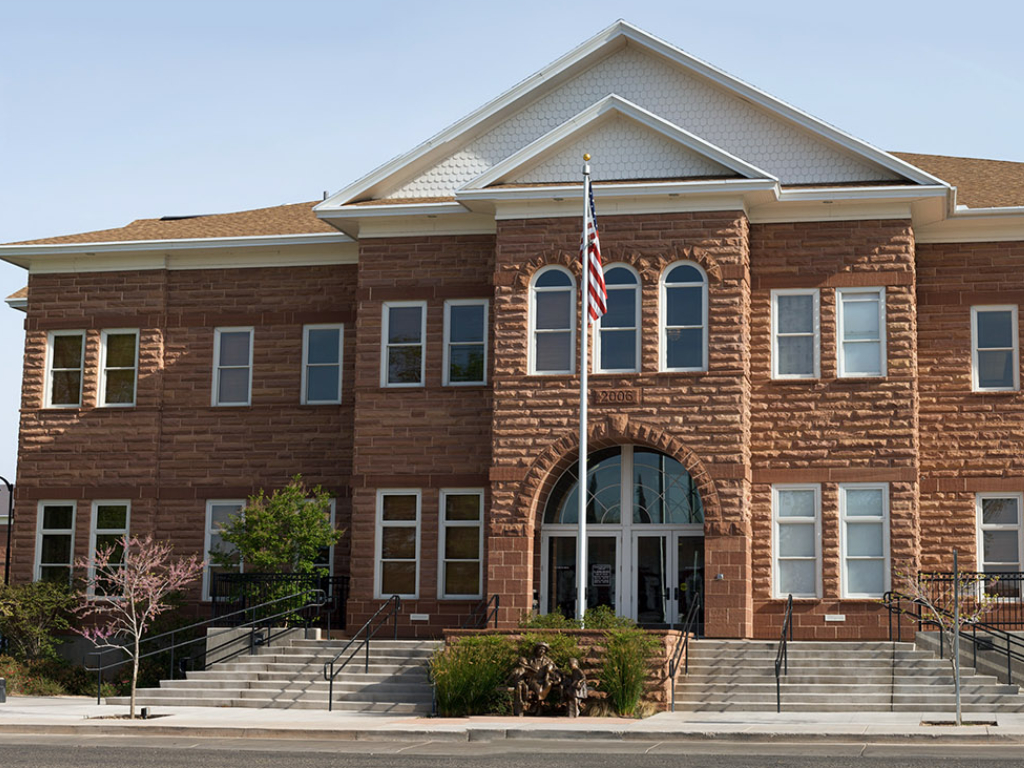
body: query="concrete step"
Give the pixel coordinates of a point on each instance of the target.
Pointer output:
(397, 708)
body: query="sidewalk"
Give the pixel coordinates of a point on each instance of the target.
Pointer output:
(76, 715)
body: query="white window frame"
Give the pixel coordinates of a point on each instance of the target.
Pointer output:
(663, 328)
(217, 367)
(599, 326)
(95, 532)
(843, 537)
(779, 522)
(975, 310)
(385, 346)
(845, 294)
(330, 550)
(381, 524)
(101, 395)
(532, 320)
(815, 333)
(306, 365)
(446, 372)
(208, 540)
(37, 560)
(442, 559)
(48, 396)
(982, 527)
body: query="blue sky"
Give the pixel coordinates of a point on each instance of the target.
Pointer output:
(112, 111)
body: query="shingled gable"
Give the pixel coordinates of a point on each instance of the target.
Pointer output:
(608, 64)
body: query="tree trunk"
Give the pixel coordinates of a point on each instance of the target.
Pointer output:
(135, 678)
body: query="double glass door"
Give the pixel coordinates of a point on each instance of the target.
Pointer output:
(653, 579)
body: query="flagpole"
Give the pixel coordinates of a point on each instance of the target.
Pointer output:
(581, 534)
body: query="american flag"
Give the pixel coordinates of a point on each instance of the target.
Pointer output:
(590, 254)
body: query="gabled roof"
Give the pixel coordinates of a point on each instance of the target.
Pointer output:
(469, 148)
(979, 183)
(294, 219)
(680, 153)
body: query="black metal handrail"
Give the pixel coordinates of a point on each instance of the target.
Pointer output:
(782, 655)
(389, 610)
(235, 591)
(482, 613)
(1012, 645)
(682, 652)
(312, 598)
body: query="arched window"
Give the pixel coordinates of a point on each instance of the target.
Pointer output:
(684, 318)
(618, 337)
(552, 321)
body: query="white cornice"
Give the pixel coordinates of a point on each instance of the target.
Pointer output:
(20, 303)
(610, 192)
(976, 225)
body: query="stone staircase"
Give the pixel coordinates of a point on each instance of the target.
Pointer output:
(738, 675)
(289, 675)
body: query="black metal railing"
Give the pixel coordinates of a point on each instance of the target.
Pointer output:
(691, 626)
(483, 613)
(374, 624)
(782, 655)
(981, 635)
(258, 619)
(1006, 590)
(234, 592)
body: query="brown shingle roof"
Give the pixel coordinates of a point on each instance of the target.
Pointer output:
(296, 219)
(979, 183)
(21, 293)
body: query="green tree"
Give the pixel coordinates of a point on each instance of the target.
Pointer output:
(281, 533)
(31, 615)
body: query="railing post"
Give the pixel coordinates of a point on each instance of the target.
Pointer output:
(99, 678)
(172, 655)
(394, 614)
(367, 641)
(330, 690)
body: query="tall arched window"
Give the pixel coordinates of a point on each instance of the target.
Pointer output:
(552, 321)
(618, 337)
(684, 318)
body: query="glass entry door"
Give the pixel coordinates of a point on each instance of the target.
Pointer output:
(689, 576)
(602, 573)
(651, 596)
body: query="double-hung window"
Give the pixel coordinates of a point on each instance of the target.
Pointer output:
(55, 541)
(321, 364)
(232, 366)
(994, 350)
(796, 540)
(462, 544)
(325, 557)
(864, 539)
(796, 334)
(684, 323)
(404, 331)
(107, 530)
(119, 367)
(618, 335)
(1000, 539)
(398, 543)
(218, 514)
(65, 356)
(465, 342)
(861, 331)
(552, 321)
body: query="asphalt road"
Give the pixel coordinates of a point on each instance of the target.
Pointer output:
(167, 752)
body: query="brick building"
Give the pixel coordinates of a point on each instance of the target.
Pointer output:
(808, 379)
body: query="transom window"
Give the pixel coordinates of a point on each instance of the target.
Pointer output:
(656, 488)
(553, 321)
(618, 337)
(994, 350)
(684, 313)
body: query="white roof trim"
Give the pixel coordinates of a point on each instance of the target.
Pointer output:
(605, 42)
(610, 106)
(19, 303)
(313, 238)
(623, 189)
(881, 192)
(396, 209)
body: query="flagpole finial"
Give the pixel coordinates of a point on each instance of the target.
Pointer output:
(586, 157)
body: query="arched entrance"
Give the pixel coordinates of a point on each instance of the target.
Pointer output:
(645, 537)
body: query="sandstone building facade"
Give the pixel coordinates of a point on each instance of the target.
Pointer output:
(807, 382)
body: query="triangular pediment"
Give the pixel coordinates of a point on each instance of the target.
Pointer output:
(626, 143)
(661, 80)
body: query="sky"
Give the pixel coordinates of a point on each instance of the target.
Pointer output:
(113, 111)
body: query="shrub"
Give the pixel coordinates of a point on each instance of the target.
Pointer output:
(32, 614)
(470, 675)
(624, 668)
(547, 621)
(45, 677)
(604, 617)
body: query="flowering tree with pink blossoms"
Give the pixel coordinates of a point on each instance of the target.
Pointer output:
(128, 586)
